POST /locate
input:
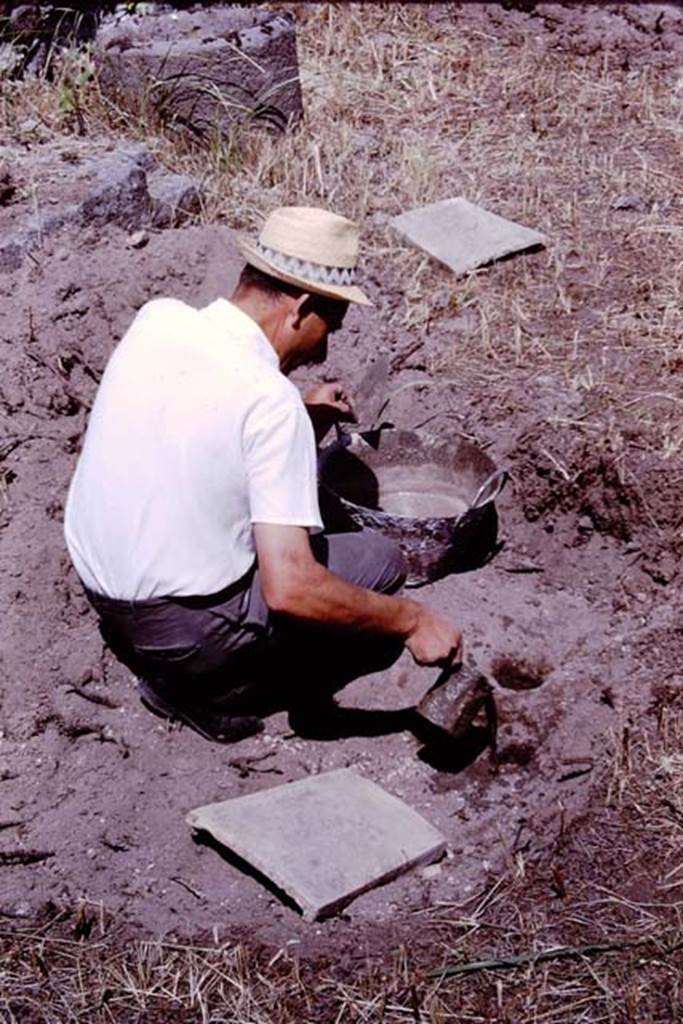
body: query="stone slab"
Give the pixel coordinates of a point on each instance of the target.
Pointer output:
(323, 840)
(203, 69)
(463, 235)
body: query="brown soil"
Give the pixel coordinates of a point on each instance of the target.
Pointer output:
(580, 599)
(101, 787)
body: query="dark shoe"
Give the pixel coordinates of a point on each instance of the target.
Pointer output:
(211, 723)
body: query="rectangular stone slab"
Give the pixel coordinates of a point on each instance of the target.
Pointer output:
(462, 235)
(323, 840)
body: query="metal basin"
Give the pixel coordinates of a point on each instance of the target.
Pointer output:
(435, 496)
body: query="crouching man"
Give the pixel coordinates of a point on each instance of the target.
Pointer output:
(193, 519)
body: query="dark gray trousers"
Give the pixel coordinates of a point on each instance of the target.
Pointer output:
(232, 636)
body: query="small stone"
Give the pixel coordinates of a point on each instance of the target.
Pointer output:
(663, 570)
(138, 240)
(630, 202)
(7, 188)
(586, 524)
(431, 871)
(10, 60)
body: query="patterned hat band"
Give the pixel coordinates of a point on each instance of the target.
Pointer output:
(314, 272)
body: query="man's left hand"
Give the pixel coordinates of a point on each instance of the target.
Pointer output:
(328, 404)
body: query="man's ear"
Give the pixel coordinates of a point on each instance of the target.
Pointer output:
(300, 309)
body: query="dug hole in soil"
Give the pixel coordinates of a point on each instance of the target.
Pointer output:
(574, 619)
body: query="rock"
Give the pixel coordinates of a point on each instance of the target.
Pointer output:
(430, 872)
(453, 702)
(119, 195)
(662, 570)
(11, 60)
(203, 70)
(175, 197)
(20, 909)
(627, 202)
(89, 185)
(138, 239)
(325, 839)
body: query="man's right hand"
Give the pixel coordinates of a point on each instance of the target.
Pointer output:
(434, 640)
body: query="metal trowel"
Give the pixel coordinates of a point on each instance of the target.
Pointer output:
(370, 394)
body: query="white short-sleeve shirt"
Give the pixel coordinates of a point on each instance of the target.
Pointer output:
(194, 435)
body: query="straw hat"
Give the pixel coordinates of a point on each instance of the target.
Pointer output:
(314, 249)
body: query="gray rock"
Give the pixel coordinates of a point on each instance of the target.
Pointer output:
(630, 202)
(175, 197)
(11, 60)
(7, 187)
(138, 240)
(119, 196)
(119, 185)
(203, 70)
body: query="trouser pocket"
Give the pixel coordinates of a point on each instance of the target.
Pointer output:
(177, 655)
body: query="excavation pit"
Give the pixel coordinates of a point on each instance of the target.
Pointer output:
(519, 674)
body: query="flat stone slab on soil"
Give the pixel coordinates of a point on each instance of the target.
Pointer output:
(325, 839)
(462, 235)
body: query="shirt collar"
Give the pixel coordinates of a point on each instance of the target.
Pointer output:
(230, 318)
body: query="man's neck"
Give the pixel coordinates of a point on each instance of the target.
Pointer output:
(268, 317)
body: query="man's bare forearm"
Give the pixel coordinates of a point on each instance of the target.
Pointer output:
(318, 595)
(295, 584)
